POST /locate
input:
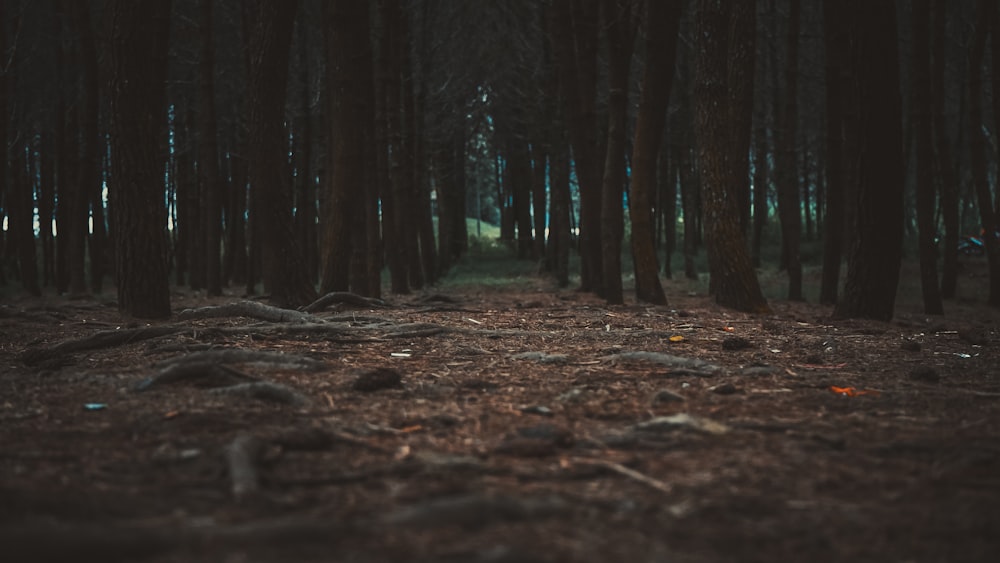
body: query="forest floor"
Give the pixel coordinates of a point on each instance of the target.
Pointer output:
(501, 423)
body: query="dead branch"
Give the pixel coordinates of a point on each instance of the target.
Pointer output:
(630, 473)
(103, 339)
(344, 297)
(242, 455)
(250, 309)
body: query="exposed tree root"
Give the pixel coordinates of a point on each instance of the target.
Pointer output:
(202, 374)
(264, 391)
(243, 356)
(250, 309)
(344, 297)
(103, 339)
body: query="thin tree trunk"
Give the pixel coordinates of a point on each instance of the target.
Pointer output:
(945, 172)
(208, 163)
(835, 42)
(285, 275)
(621, 38)
(576, 26)
(662, 23)
(924, 161)
(789, 202)
(978, 146)
(761, 190)
(667, 188)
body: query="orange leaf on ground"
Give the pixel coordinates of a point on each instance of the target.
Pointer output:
(852, 392)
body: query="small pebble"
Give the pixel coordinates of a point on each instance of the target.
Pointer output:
(376, 379)
(925, 373)
(735, 343)
(667, 396)
(974, 336)
(724, 389)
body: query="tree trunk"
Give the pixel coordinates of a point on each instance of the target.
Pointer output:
(576, 25)
(667, 188)
(789, 202)
(138, 58)
(734, 279)
(761, 190)
(208, 163)
(559, 218)
(978, 146)
(740, 77)
(662, 23)
(875, 252)
(539, 179)
(621, 38)
(285, 275)
(347, 47)
(46, 205)
(921, 122)
(835, 42)
(397, 248)
(945, 172)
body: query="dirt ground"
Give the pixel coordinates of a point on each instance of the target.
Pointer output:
(498, 425)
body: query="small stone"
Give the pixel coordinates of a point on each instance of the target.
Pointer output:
(724, 389)
(910, 345)
(667, 396)
(973, 336)
(926, 374)
(682, 421)
(378, 378)
(536, 409)
(759, 369)
(574, 395)
(732, 343)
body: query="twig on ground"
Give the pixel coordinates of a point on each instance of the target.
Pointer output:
(630, 473)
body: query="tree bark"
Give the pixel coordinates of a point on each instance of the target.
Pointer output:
(740, 76)
(662, 23)
(924, 157)
(208, 158)
(945, 172)
(834, 36)
(978, 147)
(285, 275)
(875, 252)
(789, 201)
(347, 49)
(620, 24)
(138, 58)
(734, 279)
(577, 25)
